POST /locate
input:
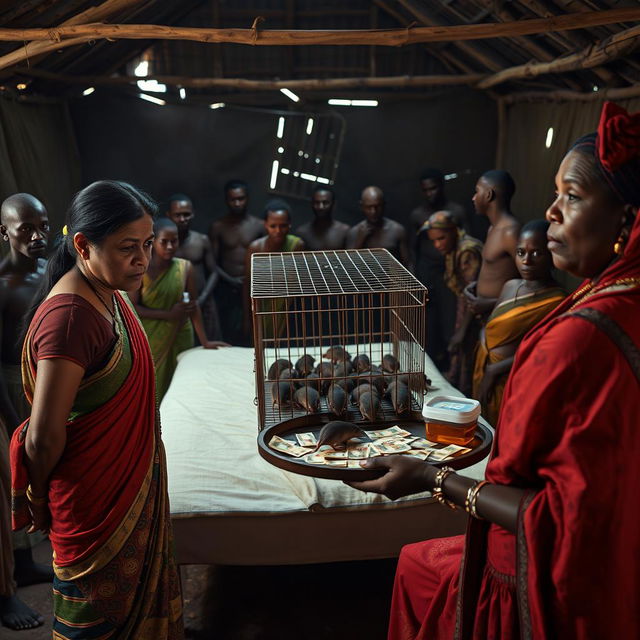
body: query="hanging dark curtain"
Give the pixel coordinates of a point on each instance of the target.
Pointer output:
(38, 154)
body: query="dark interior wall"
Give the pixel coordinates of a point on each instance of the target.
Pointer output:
(195, 150)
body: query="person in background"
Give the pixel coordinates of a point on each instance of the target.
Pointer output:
(430, 265)
(88, 466)
(167, 304)
(24, 225)
(376, 231)
(196, 247)
(323, 232)
(230, 237)
(492, 199)
(550, 550)
(522, 303)
(277, 223)
(463, 258)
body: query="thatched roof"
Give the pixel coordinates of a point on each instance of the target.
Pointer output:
(397, 57)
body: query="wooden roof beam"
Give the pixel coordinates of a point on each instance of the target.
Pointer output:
(620, 93)
(93, 14)
(620, 44)
(263, 85)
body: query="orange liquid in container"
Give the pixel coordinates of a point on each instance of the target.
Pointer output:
(447, 433)
(451, 420)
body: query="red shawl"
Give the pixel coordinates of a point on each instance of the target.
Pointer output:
(569, 427)
(107, 457)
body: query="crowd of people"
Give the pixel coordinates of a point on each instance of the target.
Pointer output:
(84, 366)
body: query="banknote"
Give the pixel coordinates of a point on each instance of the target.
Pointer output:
(306, 439)
(437, 455)
(391, 446)
(421, 454)
(385, 433)
(359, 451)
(286, 446)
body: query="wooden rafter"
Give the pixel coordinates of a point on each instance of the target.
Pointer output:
(383, 37)
(46, 45)
(618, 45)
(621, 93)
(264, 85)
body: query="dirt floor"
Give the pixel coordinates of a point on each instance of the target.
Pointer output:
(341, 601)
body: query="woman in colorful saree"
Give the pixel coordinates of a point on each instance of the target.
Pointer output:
(88, 466)
(167, 318)
(551, 546)
(522, 303)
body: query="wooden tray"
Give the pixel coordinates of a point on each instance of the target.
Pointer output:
(480, 448)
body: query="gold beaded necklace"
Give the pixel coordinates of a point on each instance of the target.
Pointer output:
(590, 289)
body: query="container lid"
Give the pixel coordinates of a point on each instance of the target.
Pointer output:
(451, 409)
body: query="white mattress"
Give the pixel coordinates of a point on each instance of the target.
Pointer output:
(209, 428)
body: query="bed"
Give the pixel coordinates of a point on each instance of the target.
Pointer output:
(229, 506)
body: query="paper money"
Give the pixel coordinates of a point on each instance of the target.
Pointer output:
(391, 446)
(306, 439)
(286, 446)
(353, 464)
(359, 451)
(421, 454)
(335, 463)
(385, 433)
(335, 455)
(438, 455)
(314, 458)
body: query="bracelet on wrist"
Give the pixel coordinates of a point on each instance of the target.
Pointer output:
(437, 491)
(37, 501)
(472, 498)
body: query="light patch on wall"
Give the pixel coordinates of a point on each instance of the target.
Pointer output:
(153, 99)
(274, 174)
(88, 91)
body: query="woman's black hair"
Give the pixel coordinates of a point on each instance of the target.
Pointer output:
(97, 211)
(276, 205)
(163, 223)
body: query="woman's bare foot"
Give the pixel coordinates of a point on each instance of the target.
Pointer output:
(16, 615)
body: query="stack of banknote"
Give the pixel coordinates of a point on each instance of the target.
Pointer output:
(383, 442)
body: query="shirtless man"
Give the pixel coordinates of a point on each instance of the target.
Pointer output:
(277, 224)
(492, 199)
(323, 233)
(230, 236)
(430, 265)
(25, 226)
(196, 248)
(376, 231)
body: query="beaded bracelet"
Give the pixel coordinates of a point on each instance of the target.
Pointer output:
(437, 491)
(472, 498)
(35, 500)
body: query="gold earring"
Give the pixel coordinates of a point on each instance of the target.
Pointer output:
(618, 247)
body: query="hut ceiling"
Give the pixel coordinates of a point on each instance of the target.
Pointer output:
(396, 48)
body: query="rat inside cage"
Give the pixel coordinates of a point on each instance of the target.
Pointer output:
(337, 333)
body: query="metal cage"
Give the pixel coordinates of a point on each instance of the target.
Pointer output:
(362, 301)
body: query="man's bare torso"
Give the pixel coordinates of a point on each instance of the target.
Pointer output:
(16, 292)
(330, 238)
(389, 236)
(498, 264)
(231, 238)
(195, 248)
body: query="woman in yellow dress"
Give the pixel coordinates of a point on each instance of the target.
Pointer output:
(522, 304)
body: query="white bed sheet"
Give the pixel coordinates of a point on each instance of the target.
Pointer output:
(209, 428)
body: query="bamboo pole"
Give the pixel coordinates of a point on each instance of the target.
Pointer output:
(93, 14)
(384, 37)
(317, 84)
(620, 44)
(588, 96)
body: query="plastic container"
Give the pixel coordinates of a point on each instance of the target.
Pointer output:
(451, 420)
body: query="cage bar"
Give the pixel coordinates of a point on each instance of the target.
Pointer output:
(363, 301)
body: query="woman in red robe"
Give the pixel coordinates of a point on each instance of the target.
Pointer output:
(88, 466)
(551, 547)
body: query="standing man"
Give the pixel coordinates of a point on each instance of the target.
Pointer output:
(196, 247)
(492, 199)
(24, 224)
(430, 265)
(323, 232)
(376, 231)
(230, 236)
